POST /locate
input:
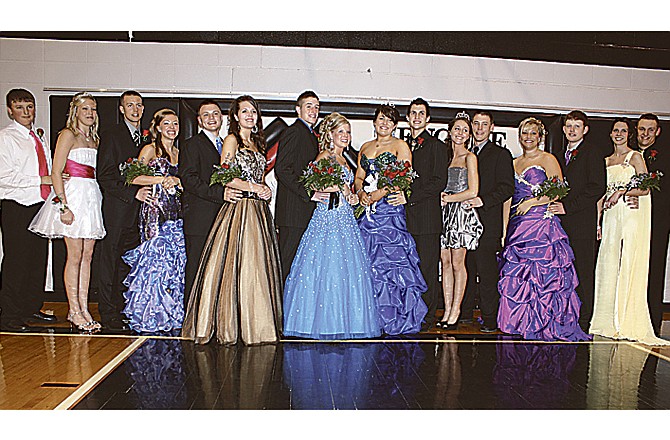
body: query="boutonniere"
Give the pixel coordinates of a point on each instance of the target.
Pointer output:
(652, 155)
(40, 133)
(146, 136)
(573, 155)
(415, 144)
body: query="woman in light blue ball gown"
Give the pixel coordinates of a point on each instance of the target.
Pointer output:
(328, 293)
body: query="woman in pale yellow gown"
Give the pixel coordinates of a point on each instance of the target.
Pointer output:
(620, 309)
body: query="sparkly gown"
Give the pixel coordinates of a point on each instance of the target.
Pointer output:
(83, 198)
(328, 293)
(537, 275)
(396, 277)
(238, 288)
(155, 295)
(620, 310)
(461, 227)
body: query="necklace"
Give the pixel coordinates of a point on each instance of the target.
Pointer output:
(87, 136)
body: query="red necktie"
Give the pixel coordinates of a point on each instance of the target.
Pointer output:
(42, 161)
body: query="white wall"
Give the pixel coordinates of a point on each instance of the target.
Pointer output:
(335, 74)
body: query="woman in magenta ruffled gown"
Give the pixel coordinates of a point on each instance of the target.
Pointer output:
(537, 275)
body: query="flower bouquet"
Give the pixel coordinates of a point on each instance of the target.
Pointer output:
(554, 188)
(645, 181)
(395, 176)
(322, 174)
(133, 168)
(225, 173)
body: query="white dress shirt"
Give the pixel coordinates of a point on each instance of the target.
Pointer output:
(19, 169)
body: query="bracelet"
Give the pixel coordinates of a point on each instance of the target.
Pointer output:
(63, 208)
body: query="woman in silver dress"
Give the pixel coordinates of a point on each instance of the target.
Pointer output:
(461, 228)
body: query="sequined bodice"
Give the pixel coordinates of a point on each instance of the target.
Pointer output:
(457, 180)
(252, 164)
(167, 205)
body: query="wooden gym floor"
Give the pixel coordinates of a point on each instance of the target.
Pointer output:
(56, 369)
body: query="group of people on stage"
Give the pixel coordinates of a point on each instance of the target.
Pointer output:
(182, 254)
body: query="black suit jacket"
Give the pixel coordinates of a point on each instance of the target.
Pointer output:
(496, 185)
(201, 202)
(119, 205)
(660, 200)
(587, 179)
(297, 147)
(430, 161)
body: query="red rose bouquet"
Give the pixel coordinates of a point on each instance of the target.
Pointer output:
(554, 188)
(133, 168)
(645, 181)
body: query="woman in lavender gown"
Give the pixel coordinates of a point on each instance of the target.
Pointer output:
(537, 275)
(155, 295)
(396, 278)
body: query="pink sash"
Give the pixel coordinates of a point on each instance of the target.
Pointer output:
(76, 169)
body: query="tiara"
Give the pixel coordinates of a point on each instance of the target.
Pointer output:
(390, 104)
(463, 115)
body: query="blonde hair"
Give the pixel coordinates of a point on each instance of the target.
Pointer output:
(536, 122)
(71, 124)
(330, 123)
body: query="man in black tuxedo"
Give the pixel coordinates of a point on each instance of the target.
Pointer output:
(657, 158)
(430, 159)
(201, 202)
(496, 185)
(120, 208)
(583, 165)
(298, 145)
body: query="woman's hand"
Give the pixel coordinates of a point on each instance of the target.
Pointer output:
(67, 217)
(263, 191)
(599, 233)
(443, 198)
(331, 189)
(378, 194)
(364, 198)
(352, 199)
(524, 207)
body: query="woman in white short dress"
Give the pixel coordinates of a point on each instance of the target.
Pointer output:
(73, 209)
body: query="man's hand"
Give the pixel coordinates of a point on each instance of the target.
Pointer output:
(556, 208)
(264, 192)
(144, 195)
(232, 195)
(633, 202)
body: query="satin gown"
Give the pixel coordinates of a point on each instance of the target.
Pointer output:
(461, 227)
(328, 293)
(396, 276)
(537, 275)
(155, 295)
(238, 288)
(83, 198)
(620, 309)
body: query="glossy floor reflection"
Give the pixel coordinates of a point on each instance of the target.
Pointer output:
(502, 374)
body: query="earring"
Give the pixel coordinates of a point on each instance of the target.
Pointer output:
(255, 129)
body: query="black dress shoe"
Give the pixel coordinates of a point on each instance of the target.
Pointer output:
(488, 329)
(14, 325)
(41, 317)
(115, 326)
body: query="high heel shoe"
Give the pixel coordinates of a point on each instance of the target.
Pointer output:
(85, 327)
(91, 323)
(444, 325)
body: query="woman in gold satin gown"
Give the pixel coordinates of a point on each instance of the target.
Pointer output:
(237, 290)
(620, 309)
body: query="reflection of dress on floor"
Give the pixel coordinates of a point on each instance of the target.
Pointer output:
(83, 198)
(237, 290)
(329, 293)
(537, 275)
(620, 310)
(396, 276)
(155, 295)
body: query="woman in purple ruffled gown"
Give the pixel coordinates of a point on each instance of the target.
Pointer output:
(155, 295)
(396, 278)
(537, 275)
